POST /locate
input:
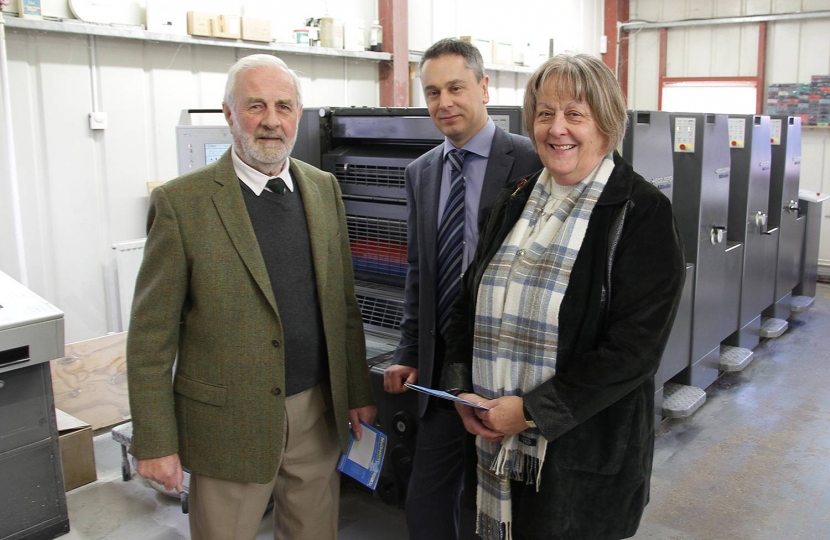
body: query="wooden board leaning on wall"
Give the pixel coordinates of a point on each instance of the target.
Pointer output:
(90, 381)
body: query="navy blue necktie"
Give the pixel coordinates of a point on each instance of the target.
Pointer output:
(277, 185)
(451, 242)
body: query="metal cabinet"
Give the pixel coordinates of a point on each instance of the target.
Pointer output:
(32, 499)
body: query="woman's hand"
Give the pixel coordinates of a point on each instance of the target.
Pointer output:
(471, 422)
(506, 415)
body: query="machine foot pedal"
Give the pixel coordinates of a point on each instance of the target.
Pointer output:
(773, 328)
(800, 304)
(680, 401)
(734, 358)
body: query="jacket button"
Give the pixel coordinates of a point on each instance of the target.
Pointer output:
(276, 343)
(276, 391)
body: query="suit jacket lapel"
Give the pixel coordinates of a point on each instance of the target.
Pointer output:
(429, 185)
(234, 215)
(316, 219)
(499, 165)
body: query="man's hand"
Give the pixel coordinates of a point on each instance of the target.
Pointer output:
(365, 414)
(396, 375)
(472, 423)
(164, 470)
(506, 415)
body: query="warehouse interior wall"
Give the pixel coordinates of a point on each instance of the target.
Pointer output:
(573, 25)
(795, 51)
(83, 190)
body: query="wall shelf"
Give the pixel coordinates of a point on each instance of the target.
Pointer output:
(415, 58)
(72, 26)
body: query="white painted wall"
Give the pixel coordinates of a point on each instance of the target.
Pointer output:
(574, 26)
(84, 190)
(796, 50)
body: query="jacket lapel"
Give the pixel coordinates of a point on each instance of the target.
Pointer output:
(429, 185)
(316, 220)
(234, 215)
(497, 173)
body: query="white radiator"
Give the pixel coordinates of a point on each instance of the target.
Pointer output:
(128, 256)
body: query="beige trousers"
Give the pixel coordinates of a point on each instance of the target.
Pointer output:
(306, 488)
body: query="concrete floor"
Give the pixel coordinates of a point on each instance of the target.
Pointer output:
(752, 464)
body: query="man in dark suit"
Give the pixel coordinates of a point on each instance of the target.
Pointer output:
(455, 87)
(247, 281)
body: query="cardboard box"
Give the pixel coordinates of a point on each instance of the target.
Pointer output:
(200, 23)
(228, 27)
(77, 454)
(485, 47)
(153, 185)
(256, 30)
(502, 52)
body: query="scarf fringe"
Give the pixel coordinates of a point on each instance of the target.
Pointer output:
(516, 465)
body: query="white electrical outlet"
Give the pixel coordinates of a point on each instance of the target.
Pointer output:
(98, 120)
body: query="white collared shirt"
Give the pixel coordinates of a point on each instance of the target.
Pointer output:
(255, 179)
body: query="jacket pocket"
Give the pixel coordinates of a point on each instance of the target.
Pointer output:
(204, 392)
(601, 443)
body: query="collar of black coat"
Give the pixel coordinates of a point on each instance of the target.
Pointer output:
(614, 193)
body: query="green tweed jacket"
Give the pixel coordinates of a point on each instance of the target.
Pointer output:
(203, 299)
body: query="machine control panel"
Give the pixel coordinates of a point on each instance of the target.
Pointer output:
(737, 132)
(775, 131)
(684, 135)
(198, 146)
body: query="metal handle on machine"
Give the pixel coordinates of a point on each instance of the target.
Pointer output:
(718, 234)
(792, 206)
(760, 220)
(761, 223)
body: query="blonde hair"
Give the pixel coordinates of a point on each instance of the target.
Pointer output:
(587, 80)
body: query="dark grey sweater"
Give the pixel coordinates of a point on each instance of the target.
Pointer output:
(282, 233)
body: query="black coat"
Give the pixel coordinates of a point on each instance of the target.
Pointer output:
(597, 412)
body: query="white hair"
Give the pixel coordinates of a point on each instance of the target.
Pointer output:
(258, 61)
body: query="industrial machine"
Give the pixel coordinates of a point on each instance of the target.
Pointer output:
(749, 141)
(701, 196)
(32, 499)
(810, 205)
(785, 134)
(368, 149)
(647, 146)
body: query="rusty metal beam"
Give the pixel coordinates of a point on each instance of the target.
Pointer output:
(394, 74)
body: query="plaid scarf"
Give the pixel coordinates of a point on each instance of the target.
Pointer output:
(516, 332)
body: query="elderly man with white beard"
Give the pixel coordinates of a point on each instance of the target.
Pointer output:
(247, 284)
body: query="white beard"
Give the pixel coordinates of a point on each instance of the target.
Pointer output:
(270, 155)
